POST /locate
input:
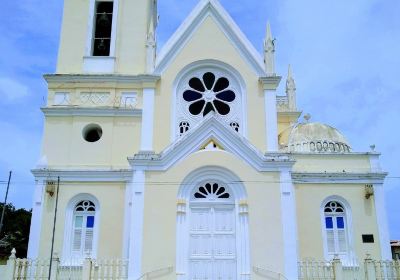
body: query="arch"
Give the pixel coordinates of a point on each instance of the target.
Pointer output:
(349, 257)
(68, 234)
(209, 64)
(185, 193)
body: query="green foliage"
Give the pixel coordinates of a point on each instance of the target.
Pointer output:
(15, 231)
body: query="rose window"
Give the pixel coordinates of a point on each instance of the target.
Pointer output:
(209, 93)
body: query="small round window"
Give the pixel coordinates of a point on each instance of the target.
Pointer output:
(92, 133)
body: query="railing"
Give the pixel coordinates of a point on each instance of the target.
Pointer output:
(156, 273)
(268, 274)
(311, 269)
(387, 270)
(109, 269)
(31, 269)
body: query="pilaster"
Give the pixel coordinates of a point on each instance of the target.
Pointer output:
(381, 217)
(289, 224)
(136, 228)
(36, 221)
(147, 120)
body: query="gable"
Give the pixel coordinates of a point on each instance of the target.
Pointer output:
(209, 33)
(211, 130)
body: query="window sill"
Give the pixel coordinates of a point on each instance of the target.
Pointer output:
(98, 64)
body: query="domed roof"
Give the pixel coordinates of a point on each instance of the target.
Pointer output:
(315, 138)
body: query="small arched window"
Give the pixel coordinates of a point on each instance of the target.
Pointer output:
(211, 191)
(336, 229)
(83, 224)
(184, 126)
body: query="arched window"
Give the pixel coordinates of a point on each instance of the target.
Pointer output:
(210, 89)
(336, 229)
(83, 228)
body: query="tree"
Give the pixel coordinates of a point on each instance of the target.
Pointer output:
(15, 231)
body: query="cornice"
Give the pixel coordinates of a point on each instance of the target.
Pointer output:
(63, 111)
(338, 178)
(270, 82)
(83, 175)
(144, 80)
(294, 114)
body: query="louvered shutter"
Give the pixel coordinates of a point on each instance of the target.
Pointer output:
(330, 236)
(77, 240)
(88, 240)
(342, 244)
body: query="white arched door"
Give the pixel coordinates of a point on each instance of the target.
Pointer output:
(212, 233)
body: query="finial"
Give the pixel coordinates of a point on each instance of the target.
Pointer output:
(269, 52)
(372, 147)
(291, 89)
(13, 252)
(307, 117)
(269, 33)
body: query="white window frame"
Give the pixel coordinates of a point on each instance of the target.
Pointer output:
(347, 259)
(68, 258)
(91, 27)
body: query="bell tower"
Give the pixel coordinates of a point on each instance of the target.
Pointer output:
(107, 37)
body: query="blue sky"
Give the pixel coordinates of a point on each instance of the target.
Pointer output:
(345, 57)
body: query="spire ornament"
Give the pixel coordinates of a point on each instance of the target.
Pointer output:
(291, 90)
(269, 52)
(151, 45)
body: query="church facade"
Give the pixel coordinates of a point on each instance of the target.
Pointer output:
(189, 157)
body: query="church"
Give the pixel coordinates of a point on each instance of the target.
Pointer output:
(187, 159)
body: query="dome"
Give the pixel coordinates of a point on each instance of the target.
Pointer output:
(315, 138)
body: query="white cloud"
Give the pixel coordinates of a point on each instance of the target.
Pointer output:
(12, 91)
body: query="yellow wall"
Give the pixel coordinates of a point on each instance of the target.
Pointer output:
(111, 200)
(132, 24)
(309, 199)
(198, 49)
(64, 144)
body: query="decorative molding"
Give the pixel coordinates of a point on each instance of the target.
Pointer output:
(140, 80)
(62, 111)
(338, 178)
(212, 128)
(215, 10)
(84, 175)
(270, 82)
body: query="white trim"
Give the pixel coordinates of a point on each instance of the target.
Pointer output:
(98, 64)
(210, 64)
(127, 219)
(242, 231)
(90, 112)
(289, 224)
(136, 230)
(338, 178)
(183, 34)
(36, 221)
(146, 143)
(271, 121)
(381, 219)
(350, 260)
(211, 129)
(69, 214)
(90, 28)
(84, 175)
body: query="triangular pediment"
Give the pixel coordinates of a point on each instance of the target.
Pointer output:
(212, 130)
(214, 10)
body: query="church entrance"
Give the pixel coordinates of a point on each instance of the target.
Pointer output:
(212, 233)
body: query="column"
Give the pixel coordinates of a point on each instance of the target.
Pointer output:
(271, 120)
(289, 224)
(380, 208)
(127, 217)
(36, 221)
(136, 229)
(147, 120)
